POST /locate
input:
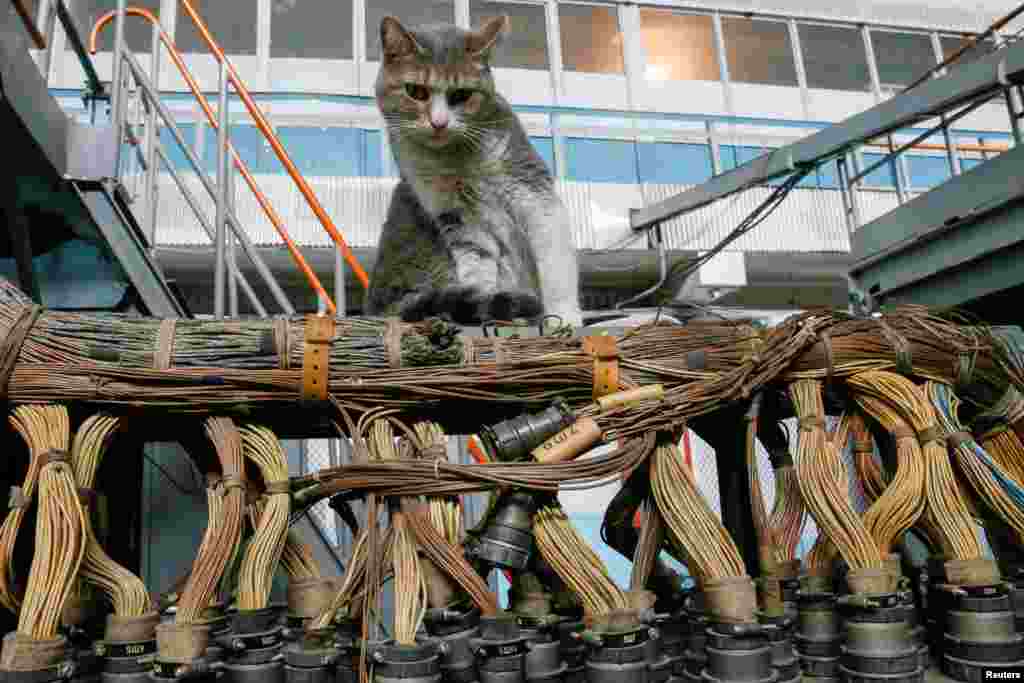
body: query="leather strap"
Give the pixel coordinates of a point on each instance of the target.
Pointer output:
(54, 455)
(316, 357)
(605, 351)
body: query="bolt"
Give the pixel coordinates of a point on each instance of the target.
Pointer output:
(378, 657)
(238, 644)
(444, 648)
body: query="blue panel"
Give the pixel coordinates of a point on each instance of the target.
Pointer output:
(967, 164)
(173, 150)
(601, 161)
(828, 176)
(323, 151)
(247, 141)
(669, 162)
(372, 162)
(883, 176)
(546, 149)
(927, 171)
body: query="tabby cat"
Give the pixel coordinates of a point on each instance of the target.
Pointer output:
(475, 230)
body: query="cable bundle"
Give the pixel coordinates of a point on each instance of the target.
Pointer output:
(652, 537)
(445, 513)
(126, 592)
(353, 583)
(770, 553)
(869, 471)
(1004, 442)
(575, 562)
(902, 409)
(410, 588)
(1001, 491)
(710, 551)
(224, 526)
(60, 539)
(823, 482)
(297, 559)
(269, 516)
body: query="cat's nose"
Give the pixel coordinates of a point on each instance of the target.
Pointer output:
(439, 121)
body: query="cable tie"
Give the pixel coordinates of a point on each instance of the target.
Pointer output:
(903, 432)
(274, 488)
(232, 482)
(809, 424)
(926, 436)
(54, 455)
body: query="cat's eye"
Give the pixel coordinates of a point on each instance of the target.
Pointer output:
(457, 97)
(417, 92)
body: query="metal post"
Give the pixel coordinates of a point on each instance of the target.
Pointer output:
(48, 15)
(716, 149)
(897, 168)
(844, 192)
(116, 94)
(854, 190)
(1014, 117)
(723, 61)
(339, 284)
(151, 120)
(231, 255)
(222, 195)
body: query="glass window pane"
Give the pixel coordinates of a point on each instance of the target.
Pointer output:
(525, 46)
(546, 149)
(927, 171)
(759, 51)
(737, 155)
(834, 58)
(411, 14)
(311, 30)
(967, 164)
(233, 25)
(902, 58)
(171, 148)
(950, 44)
(601, 161)
(828, 176)
(670, 162)
(324, 151)
(373, 161)
(883, 176)
(591, 40)
(678, 47)
(138, 33)
(247, 140)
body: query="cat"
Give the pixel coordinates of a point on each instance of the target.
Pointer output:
(475, 230)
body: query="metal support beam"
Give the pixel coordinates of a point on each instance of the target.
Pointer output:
(964, 85)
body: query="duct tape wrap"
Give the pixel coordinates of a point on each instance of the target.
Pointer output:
(181, 643)
(731, 600)
(308, 599)
(872, 581)
(974, 572)
(316, 357)
(131, 629)
(21, 653)
(605, 351)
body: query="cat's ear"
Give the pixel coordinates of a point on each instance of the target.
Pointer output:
(395, 40)
(481, 43)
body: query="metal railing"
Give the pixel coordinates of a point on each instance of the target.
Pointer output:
(130, 80)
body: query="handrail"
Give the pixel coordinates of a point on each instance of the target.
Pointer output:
(242, 167)
(275, 144)
(30, 24)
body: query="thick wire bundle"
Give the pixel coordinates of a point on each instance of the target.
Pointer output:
(444, 510)
(126, 592)
(1003, 493)
(903, 410)
(410, 588)
(652, 537)
(223, 530)
(270, 516)
(297, 559)
(575, 562)
(60, 538)
(767, 542)
(710, 551)
(353, 583)
(823, 482)
(869, 471)
(1005, 441)
(448, 557)
(789, 514)
(821, 556)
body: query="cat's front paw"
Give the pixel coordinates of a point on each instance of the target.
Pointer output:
(469, 306)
